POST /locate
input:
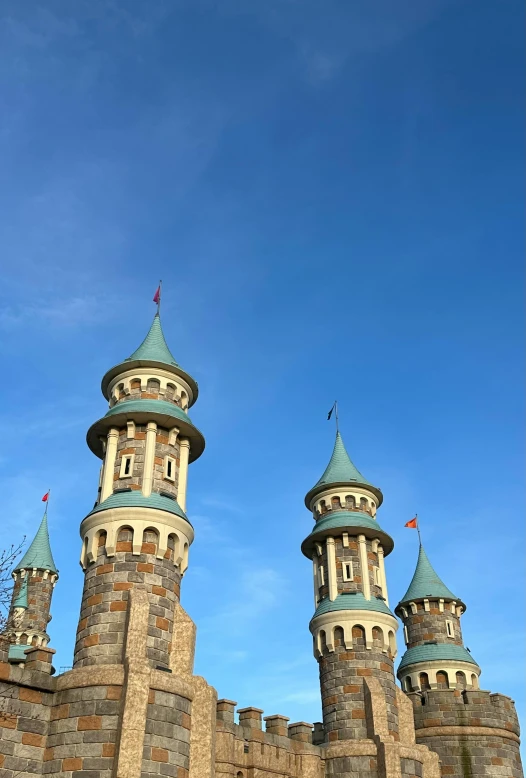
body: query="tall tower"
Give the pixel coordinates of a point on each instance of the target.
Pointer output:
(353, 628)
(475, 733)
(138, 534)
(35, 577)
(435, 655)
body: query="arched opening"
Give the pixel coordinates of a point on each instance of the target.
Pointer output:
(378, 637)
(424, 681)
(239, 774)
(363, 504)
(124, 539)
(323, 641)
(358, 636)
(474, 681)
(169, 392)
(184, 400)
(120, 391)
(153, 386)
(461, 680)
(335, 503)
(392, 643)
(150, 541)
(135, 384)
(23, 639)
(101, 542)
(338, 637)
(442, 680)
(350, 502)
(323, 506)
(408, 686)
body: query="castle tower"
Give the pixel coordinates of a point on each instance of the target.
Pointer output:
(353, 628)
(435, 655)
(475, 733)
(138, 533)
(35, 577)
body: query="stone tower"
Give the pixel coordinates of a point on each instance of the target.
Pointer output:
(475, 733)
(34, 580)
(138, 532)
(354, 630)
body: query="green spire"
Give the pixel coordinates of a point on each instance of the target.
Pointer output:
(425, 582)
(154, 347)
(20, 600)
(39, 555)
(340, 467)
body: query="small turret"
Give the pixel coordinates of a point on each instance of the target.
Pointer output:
(35, 577)
(435, 655)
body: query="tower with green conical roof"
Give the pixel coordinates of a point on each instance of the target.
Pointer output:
(35, 576)
(352, 627)
(435, 655)
(138, 533)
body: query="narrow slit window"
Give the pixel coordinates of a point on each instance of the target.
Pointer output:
(169, 468)
(127, 466)
(347, 571)
(450, 630)
(322, 575)
(406, 636)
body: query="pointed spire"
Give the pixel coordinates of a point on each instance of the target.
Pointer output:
(154, 347)
(340, 467)
(39, 555)
(21, 600)
(425, 582)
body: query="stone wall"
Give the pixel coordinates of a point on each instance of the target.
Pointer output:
(342, 674)
(107, 583)
(166, 749)
(475, 733)
(426, 625)
(36, 617)
(136, 446)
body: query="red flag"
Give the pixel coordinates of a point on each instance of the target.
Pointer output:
(157, 295)
(413, 524)
(45, 497)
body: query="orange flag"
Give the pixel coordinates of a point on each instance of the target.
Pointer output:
(413, 524)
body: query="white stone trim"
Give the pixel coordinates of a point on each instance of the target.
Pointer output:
(109, 463)
(383, 578)
(366, 585)
(315, 578)
(184, 454)
(331, 568)
(328, 622)
(149, 458)
(436, 666)
(342, 492)
(144, 374)
(130, 429)
(139, 519)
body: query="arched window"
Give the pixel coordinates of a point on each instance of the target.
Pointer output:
(335, 503)
(338, 637)
(150, 541)
(170, 392)
(358, 635)
(124, 539)
(474, 681)
(350, 502)
(392, 643)
(442, 680)
(461, 680)
(378, 637)
(101, 542)
(363, 504)
(424, 681)
(184, 400)
(153, 386)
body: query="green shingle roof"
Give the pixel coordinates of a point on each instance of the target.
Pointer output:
(425, 582)
(347, 520)
(340, 467)
(436, 653)
(149, 406)
(154, 347)
(17, 653)
(39, 555)
(20, 600)
(356, 602)
(136, 499)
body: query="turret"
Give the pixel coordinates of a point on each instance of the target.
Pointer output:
(353, 628)
(435, 655)
(34, 580)
(138, 532)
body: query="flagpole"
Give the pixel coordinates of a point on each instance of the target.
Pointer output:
(418, 529)
(159, 300)
(336, 414)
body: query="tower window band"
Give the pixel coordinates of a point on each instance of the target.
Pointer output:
(450, 629)
(126, 470)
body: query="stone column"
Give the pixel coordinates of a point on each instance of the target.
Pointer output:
(366, 585)
(331, 569)
(184, 453)
(149, 457)
(109, 464)
(315, 578)
(383, 580)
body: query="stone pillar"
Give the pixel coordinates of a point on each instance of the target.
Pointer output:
(250, 717)
(276, 725)
(184, 453)
(226, 710)
(301, 731)
(149, 458)
(383, 579)
(109, 464)
(331, 569)
(315, 578)
(366, 585)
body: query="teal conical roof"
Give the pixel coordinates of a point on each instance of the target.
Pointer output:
(154, 347)
(340, 467)
(20, 600)
(426, 583)
(39, 555)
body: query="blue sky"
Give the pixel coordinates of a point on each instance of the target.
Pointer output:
(331, 194)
